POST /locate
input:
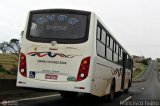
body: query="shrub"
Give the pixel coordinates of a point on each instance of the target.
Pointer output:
(158, 59)
(1, 68)
(14, 70)
(146, 61)
(138, 70)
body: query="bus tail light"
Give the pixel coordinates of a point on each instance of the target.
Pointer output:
(22, 65)
(83, 69)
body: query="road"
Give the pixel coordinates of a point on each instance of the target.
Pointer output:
(147, 73)
(148, 89)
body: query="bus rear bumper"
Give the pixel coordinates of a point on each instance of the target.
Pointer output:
(59, 86)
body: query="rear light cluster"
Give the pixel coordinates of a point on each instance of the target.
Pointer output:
(22, 65)
(83, 69)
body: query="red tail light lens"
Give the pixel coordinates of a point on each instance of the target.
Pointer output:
(22, 65)
(83, 69)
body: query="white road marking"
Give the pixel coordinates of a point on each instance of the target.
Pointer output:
(142, 88)
(25, 99)
(125, 100)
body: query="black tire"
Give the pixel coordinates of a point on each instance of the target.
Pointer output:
(68, 94)
(126, 90)
(112, 91)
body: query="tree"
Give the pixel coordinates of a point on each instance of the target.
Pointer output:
(4, 47)
(12, 47)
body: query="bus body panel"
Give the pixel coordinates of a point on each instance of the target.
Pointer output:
(60, 61)
(127, 78)
(42, 64)
(101, 78)
(104, 72)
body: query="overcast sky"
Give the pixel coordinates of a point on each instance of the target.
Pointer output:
(135, 23)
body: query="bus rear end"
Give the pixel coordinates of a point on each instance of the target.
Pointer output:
(56, 51)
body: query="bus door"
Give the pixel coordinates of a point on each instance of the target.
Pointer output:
(123, 69)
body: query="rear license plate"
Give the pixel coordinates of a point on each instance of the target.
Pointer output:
(51, 76)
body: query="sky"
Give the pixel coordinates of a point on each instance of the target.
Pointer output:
(135, 23)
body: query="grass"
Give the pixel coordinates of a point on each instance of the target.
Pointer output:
(159, 68)
(139, 70)
(7, 76)
(8, 66)
(8, 61)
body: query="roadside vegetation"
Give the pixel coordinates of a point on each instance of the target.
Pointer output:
(139, 70)
(140, 67)
(159, 69)
(158, 59)
(8, 66)
(9, 52)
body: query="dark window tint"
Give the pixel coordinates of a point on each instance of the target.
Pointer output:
(59, 26)
(129, 62)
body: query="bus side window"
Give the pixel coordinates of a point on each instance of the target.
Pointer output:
(120, 56)
(109, 53)
(121, 53)
(127, 62)
(130, 63)
(103, 37)
(98, 33)
(115, 54)
(108, 41)
(117, 46)
(100, 46)
(100, 49)
(111, 43)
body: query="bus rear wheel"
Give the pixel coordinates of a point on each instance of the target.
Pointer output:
(66, 94)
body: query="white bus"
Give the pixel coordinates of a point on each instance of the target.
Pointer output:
(72, 51)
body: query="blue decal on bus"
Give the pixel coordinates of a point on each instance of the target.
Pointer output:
(72, 21)
(31, 74)
(41, 20)
(51, 17)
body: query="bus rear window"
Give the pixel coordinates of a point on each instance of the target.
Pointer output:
(57, 27)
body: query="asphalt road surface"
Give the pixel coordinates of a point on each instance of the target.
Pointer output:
(150, 89)
(147, 89)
